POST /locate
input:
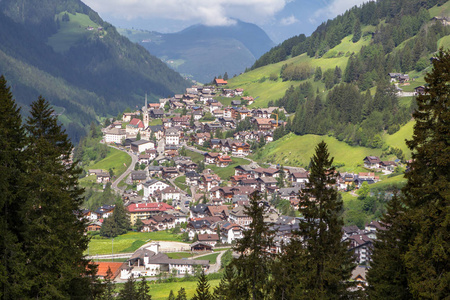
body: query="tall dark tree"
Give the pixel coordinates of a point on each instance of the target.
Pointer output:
(143, 290)
(13, 279)
(387, 276)
(54, 238)
(356, 31)
(129, 291)
(253, 263)
(202, 292)
(428, 188)
(109, 287)
(329, 263)
(181, 295)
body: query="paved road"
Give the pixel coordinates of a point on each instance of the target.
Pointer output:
(214, 268)
(134, 160)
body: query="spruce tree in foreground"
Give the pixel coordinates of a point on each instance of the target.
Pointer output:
(329, 264)
(13, 277)
(253, 264)
(202, 292)
(181, 294)
(427, 192)
(53, 235)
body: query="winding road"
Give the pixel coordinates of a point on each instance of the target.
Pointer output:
(134, 160)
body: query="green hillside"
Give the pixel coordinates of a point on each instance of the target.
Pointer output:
(293, 150)
(397, 139)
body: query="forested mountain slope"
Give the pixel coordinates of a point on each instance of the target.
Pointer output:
(66, 52)
(336, 81)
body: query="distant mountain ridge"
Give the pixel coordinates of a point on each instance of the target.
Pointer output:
(207, 51)
(65, 52)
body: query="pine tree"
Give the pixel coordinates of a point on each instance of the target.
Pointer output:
(143, 290)
(329, 263)
(253, 264)
(53, 234)
(181, 294)
(202, 292)
(108, 287)
(387, 276)
(171, 296)
(428, 188)
(356, 31)
(13, 279)
(129, 292)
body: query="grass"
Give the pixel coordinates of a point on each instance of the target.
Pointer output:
(196, 157)
(155, 122)
(293, 150)
(211, 257)
(443, 10)
(227, 172)
(397, 139)
(116, 160)
(70, 33)
(181, 183)
(160, 291)
(268, 90)
(129, 242)
(398, 180)
(444, 42)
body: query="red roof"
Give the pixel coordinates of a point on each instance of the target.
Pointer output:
(154, 206)
(220, 81)
(137, 122)
(102, 268)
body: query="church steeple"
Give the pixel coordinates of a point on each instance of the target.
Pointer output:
(145, 112)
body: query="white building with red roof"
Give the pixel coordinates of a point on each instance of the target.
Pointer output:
(146, 210)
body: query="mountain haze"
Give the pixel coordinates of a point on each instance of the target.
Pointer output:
(64, 51)
(206, 51)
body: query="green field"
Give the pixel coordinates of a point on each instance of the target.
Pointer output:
(181, 183)
(211, 257)
(227, 172)
(160, 291)
(397, 139)
(129, 242)
(268, 90)
(116, 160)
(180, 255)
(398, 180)
(293, 150)
(71, 32)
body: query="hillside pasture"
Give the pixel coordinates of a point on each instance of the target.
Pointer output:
(116, 160)
(397, 139)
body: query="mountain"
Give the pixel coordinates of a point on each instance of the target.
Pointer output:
(206, 51)
(62, 50)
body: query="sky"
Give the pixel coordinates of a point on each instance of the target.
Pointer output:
(281, 19)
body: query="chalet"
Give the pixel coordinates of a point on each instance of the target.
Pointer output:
(152, 153)
(218, 113)
(240, 148)
(146, 210)
(248, 99)
(239, 217)
(220, 82)
(209, 181)
(263, 124)
(156, 113)
(201, 247)
(372, 162)
(115, 135)
(212, 127)
(266, 172)
(420, 90)
(238, 92)
(230, 232)
(142, 146)
(388, 165)
(289, 193)
(235, 102)
(138, 176)
(361, 246)
(302, 177)
(235, 179)
(103, 267)
(211, 157)
(144, 158)
(227, 122)
(220, 211)
(244, 170)
(94, 226)
(192, 178)
(211, 238)
(126, 117)
(157, 131)
(104, 211)
(264, 183)
(199, 211)
(169, 172)
(201, 138)
(162, 222)
(154, 170)
(251, 182)
(223, 161)
(127, 142)
(197, 114)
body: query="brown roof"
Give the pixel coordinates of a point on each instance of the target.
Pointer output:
(208, 237)
(102, 268)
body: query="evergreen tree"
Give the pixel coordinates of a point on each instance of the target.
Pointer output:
(54, 237)
(253, 263)
(428, 188)
(143, 290)
(129, 291)
(356, 31)
(202, 292)
(387, 276)
(181, 294)
(138, 136)
(225, 76)
(171, 296)
(109, 287)
(329, 263)
(13, 279)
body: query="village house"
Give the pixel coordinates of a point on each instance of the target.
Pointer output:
(157, 131)
(263, 124)
(388, 166)
(240, 148)
(126, 117)
(220, 82)
(172, 136)
(104, 211)
(170, 193)
(201, 138)
(169, 172)
(301, 177)
(161, 222)
(372, 162)
(192, 178)
(223, 161)
(230, 232)
(209, 238)
(151, 186)
(361, 246)
(115, 135)
(134, 126)
(211, 157)
(146, 210)
(156, 113)
(266, 183)
(238, 216)
(142, 146)
(138, 176)
(209, 181)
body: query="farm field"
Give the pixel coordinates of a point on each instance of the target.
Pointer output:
(116, 160)
(211, 257)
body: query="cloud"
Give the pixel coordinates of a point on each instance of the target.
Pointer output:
(334, 8)
(288, 21)
(213, 13)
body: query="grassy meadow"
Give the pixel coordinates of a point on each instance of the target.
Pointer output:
(397, 139)
(71, 32)
(211, 257)
(116, 160)
(129, 242)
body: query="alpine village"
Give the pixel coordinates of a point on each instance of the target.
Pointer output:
(320, 171)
